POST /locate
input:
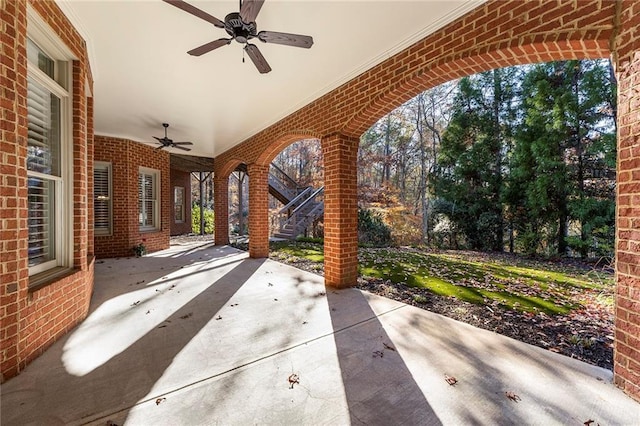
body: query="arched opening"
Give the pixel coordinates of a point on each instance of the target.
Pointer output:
(296, 189)
(471, 165)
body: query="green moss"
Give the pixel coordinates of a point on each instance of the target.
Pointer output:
(482, 279)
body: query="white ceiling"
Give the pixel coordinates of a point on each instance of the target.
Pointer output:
(144, 77)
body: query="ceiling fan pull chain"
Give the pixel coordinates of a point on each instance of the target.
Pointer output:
(243, 56)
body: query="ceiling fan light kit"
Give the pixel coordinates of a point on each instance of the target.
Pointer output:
(241, 26)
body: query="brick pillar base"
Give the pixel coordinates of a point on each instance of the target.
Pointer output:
(221, 209)
(258, 210)
(627, 336)
(341, 210)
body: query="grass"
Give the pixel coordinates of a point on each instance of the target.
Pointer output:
(479, 278)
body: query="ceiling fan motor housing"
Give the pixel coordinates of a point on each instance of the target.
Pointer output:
(239, 30)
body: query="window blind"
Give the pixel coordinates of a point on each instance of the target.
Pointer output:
(102, 199)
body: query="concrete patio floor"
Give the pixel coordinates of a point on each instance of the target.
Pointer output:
(205, 335)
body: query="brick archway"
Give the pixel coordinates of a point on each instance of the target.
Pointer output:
(497, 34)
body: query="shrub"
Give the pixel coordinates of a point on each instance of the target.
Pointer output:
(372, 230)
(208, 220)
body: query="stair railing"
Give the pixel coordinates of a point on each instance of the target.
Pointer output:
(282, 182)
(299, 198)
(308, 210)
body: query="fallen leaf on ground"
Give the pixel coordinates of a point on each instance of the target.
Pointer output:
(450, 379)
(187, 315)
(391, 348)
(294, 379)
(378, 354)
(512, 396)
(219, 317)
(135, 303)
(160, 400)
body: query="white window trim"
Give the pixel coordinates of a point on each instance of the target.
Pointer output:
(156, 206)
(42, 35)
(108, 232)
(182, 206)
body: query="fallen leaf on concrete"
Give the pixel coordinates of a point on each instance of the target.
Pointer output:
(294, 379)
(219, 317)
(160, 400)
(139, 282)
(163, 326)
(235, 304)
(450, 379)
(391, 348)
(148, 312)
(187, 315)
(135, 303)
(378, 354)
(304, 322)
(111, 423)
(270, 285)
(512, 396)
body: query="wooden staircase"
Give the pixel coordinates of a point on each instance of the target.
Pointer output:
(302, 205)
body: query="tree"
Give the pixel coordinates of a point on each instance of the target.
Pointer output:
(566, 137)
(470, 166)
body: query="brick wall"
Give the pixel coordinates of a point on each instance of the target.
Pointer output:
(627, 339)
(497, 34)
(126, 157)
(32, 319)
(181, 179)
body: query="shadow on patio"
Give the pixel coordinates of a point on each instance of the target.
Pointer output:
(206, 335)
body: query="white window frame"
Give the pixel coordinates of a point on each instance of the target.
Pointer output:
(62, 87)
(180, 189)
(109, 230)
(155, 215)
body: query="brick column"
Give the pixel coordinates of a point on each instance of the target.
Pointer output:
(341, 210)
(627, 335)
(258, 211)
(221, 209)
(14, 269)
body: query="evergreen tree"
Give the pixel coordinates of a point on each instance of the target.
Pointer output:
(471, 162)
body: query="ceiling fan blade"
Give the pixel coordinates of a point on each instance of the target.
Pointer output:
(258, 60)
(158, 139)
(183, 143)
(182, 148)
(159, 148)
(196, 12)
(295, 40)
(250, 9)
(208, 47)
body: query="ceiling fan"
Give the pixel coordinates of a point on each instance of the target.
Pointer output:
(165, 142)
(241, 26)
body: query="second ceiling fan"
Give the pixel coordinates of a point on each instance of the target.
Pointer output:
(241, 26)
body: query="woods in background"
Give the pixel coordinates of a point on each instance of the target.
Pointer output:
(520, 158)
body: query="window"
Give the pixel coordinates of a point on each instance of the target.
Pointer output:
(148, 199)
(102, 216)
(178, 204)
(48, 151)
